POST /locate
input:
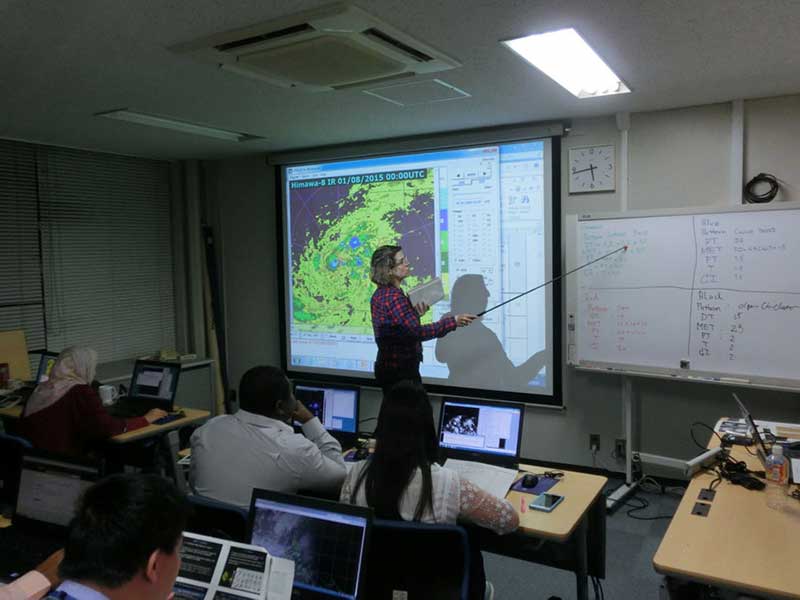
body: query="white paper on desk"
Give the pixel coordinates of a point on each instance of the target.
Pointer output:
(213, 568)
(795, 462)
(429, 293)
(495, 480)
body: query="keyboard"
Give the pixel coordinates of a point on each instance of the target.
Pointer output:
(170, 418)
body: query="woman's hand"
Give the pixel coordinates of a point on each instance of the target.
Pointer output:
(421, 308)
(154, 414)
(464, 319)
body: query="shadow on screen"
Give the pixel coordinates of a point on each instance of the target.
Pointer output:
(473, 354)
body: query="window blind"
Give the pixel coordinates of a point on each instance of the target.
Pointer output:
(107, 254)
(21, 302)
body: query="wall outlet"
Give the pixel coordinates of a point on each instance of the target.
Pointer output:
(619, 448)
(594, 442)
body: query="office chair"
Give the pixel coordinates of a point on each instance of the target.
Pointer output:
(218, 519)
(424, 560)
(11, 449)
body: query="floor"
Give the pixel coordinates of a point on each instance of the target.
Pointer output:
(630, 547)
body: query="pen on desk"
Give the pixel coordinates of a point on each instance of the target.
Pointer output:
(522, 507)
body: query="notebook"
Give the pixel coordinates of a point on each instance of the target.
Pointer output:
(481, 430)
(336, 406)
(49, 488)
(327, 541)
(153, 385)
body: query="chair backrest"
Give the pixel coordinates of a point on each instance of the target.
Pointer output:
(11, 449)
(426, 561)
(218, 519)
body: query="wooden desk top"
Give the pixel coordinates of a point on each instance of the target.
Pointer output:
(15, 412)
(742, 544)
(193, 415)
(580, 490)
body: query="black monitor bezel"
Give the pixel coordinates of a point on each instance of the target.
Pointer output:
(166, 405)
(32, 524)
(487, 457)
(318, 504)
(42, 362)
(333, 386)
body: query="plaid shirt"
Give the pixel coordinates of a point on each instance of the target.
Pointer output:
(398, 331)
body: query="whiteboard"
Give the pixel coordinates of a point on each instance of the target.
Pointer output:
(711, 295)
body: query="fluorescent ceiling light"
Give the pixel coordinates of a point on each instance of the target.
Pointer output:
(566, 57)
(131, 116)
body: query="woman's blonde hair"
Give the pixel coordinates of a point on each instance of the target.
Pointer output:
(382, 263)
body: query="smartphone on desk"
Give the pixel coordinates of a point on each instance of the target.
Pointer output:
(546, 502)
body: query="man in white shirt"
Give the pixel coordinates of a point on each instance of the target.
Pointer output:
(258, 448)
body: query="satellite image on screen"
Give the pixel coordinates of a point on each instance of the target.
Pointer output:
(462, 420)
(334, 231)
(325, 553)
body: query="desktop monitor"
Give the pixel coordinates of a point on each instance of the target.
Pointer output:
(336, 406)
(46, 362)
(328, 541)
(481, 430)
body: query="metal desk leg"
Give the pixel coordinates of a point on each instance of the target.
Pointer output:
(581, 560)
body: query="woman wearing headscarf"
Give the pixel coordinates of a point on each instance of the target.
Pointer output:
(65, 415)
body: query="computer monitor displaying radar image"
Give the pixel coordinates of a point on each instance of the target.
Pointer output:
(480, 219)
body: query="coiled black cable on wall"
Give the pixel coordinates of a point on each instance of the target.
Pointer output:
(750, 194)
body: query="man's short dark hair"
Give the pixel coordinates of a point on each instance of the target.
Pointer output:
(118, 524)
(261, 388)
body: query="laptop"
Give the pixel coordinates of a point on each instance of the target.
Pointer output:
(46, 362)
(790, 450)
(153, 385)
(336, 406)
(481, 431)
(328, 541)
(49, 487)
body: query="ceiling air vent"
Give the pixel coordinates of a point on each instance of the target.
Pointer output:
(335, 47)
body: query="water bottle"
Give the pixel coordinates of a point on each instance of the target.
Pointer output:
(777, 473)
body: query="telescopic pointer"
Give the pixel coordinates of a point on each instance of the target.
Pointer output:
(620, 249)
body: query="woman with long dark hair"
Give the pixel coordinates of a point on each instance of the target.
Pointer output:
(403, 481)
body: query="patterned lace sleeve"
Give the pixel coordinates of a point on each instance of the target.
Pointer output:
(480, 507)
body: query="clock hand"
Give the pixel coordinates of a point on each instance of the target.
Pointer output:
(591, 168)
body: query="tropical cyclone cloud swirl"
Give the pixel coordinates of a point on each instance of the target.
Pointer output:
(335, 227)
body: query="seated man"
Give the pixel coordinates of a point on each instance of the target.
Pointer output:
(257, 447)
(124, 541)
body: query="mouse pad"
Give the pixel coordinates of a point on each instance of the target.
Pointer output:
(544, 484)
(350, 456)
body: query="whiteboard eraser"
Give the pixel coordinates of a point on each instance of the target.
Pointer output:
(685, 364)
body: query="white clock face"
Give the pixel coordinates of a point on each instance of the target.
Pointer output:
(591, 169)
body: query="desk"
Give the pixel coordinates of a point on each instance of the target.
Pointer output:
(560, 538)
(742, 544)
(167, 440)
(193, 416)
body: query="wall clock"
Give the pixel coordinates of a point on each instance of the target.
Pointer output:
(592, 169)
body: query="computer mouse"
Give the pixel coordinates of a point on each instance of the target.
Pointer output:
(530, 481)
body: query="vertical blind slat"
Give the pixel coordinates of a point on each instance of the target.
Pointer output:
(106, 257)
